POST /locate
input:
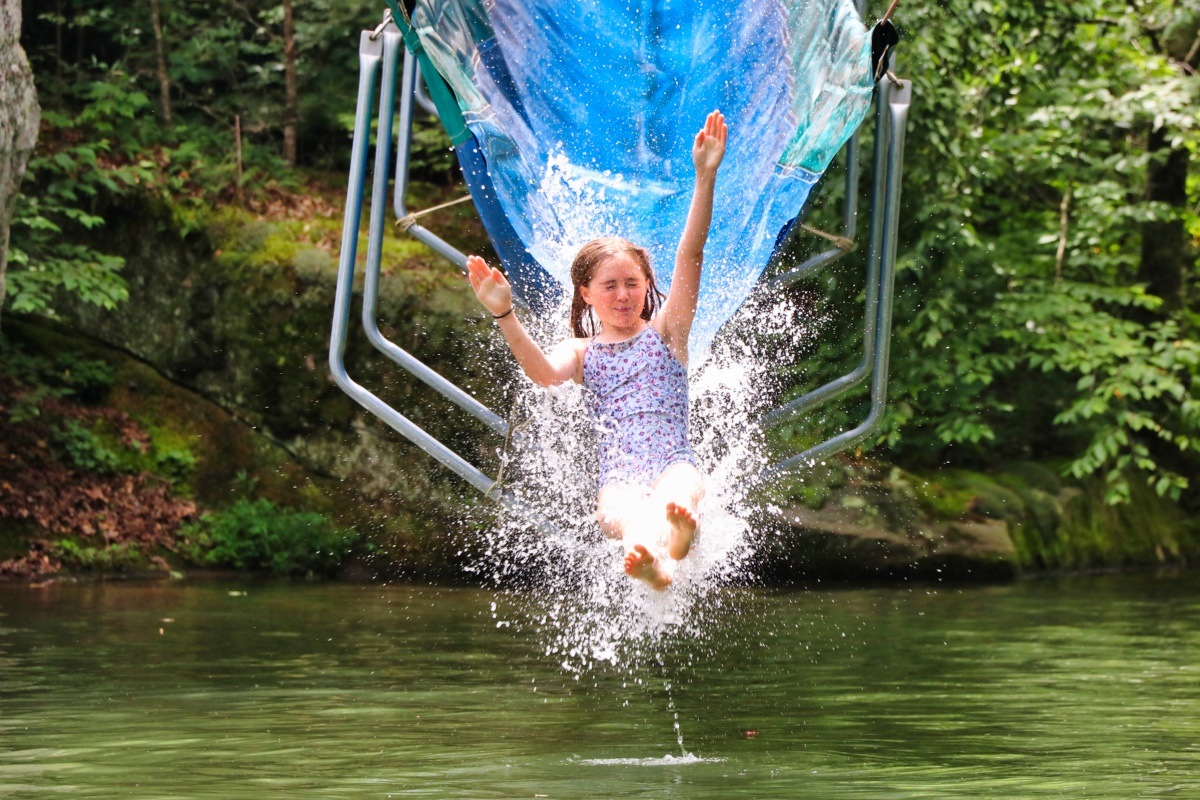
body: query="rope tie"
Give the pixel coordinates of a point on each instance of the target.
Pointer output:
(843, 244)
(407, 221)
(879, 69)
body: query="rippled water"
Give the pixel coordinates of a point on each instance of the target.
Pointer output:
(1079, 688)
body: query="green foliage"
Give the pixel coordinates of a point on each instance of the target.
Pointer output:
(68, 375)
(85, 378)
(1024, 328)
(431, 156)
(260, 535)
(110, 558)
(175, 461)
(50, 250)
(95, 445)
(99, 449)
(84, 450)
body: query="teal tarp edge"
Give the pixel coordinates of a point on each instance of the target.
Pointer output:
(443, 98)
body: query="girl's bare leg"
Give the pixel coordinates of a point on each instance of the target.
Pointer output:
(678, 491)
(626, 513)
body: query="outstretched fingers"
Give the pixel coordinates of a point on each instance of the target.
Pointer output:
(715, 126)
(709, 148)
(489, 284)
(477, 270)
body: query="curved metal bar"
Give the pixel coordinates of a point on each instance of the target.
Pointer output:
(425, 101)
(409, 82)
(392, 44)
(881, 167)
(370, 57)
(850, 202)
(898, 110)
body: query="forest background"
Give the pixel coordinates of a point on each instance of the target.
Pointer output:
(1045, 302)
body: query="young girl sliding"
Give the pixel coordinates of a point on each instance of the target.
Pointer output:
(630, 353)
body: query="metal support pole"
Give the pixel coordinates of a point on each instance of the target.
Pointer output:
(424, 100)
(898, 105)
(370, 57)
(845, 383)
(849, 225)
(408, 83)
(371, 54)
(392, 45)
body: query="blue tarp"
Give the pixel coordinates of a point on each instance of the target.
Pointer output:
(584, 111)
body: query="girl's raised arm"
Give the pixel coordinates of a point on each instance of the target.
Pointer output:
(680, 308)
(495, 294)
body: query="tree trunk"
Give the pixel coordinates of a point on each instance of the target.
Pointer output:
(59, 64)
(1166, 260)
(1164, 242)
(289, 72)
(18, 122)
(160, 53)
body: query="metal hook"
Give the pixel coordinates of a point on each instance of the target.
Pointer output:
(387, 20)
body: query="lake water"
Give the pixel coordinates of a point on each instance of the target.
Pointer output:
(1067, 688)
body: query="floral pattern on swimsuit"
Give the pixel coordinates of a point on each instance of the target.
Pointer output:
(637, 397)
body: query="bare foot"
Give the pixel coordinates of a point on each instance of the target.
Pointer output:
(683, 530)
(640, 563)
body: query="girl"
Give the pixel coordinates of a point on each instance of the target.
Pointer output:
(632, 364)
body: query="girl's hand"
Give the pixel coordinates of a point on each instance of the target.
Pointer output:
(709, 147)
(490, 285)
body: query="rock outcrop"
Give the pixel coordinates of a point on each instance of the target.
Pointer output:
(20, 116)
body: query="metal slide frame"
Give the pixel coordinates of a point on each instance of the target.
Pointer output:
(379, 52)
(893, 98)
(381, 49)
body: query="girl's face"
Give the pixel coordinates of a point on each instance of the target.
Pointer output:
(617, 292)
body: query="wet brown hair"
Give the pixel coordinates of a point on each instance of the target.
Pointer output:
(583, 269)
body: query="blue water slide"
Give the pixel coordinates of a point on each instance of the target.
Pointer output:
(582, 114)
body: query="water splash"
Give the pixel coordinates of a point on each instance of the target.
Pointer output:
(666, 761)
(568, 584)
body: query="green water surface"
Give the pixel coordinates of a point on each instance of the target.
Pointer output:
(1072, 688)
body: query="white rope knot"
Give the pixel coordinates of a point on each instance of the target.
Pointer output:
(407, 221)
(843, 244)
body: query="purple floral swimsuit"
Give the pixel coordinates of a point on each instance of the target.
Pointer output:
(637, 397)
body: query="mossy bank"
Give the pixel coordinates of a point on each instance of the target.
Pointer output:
(219, 358)
(865, 519)
(223, 345)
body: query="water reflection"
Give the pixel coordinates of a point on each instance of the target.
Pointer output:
(1069, 688)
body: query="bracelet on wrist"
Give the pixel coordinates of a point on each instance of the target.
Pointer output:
(505, 314)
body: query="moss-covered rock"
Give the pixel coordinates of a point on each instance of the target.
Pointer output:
(18, 123)
(241, 313)
(881, 521)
